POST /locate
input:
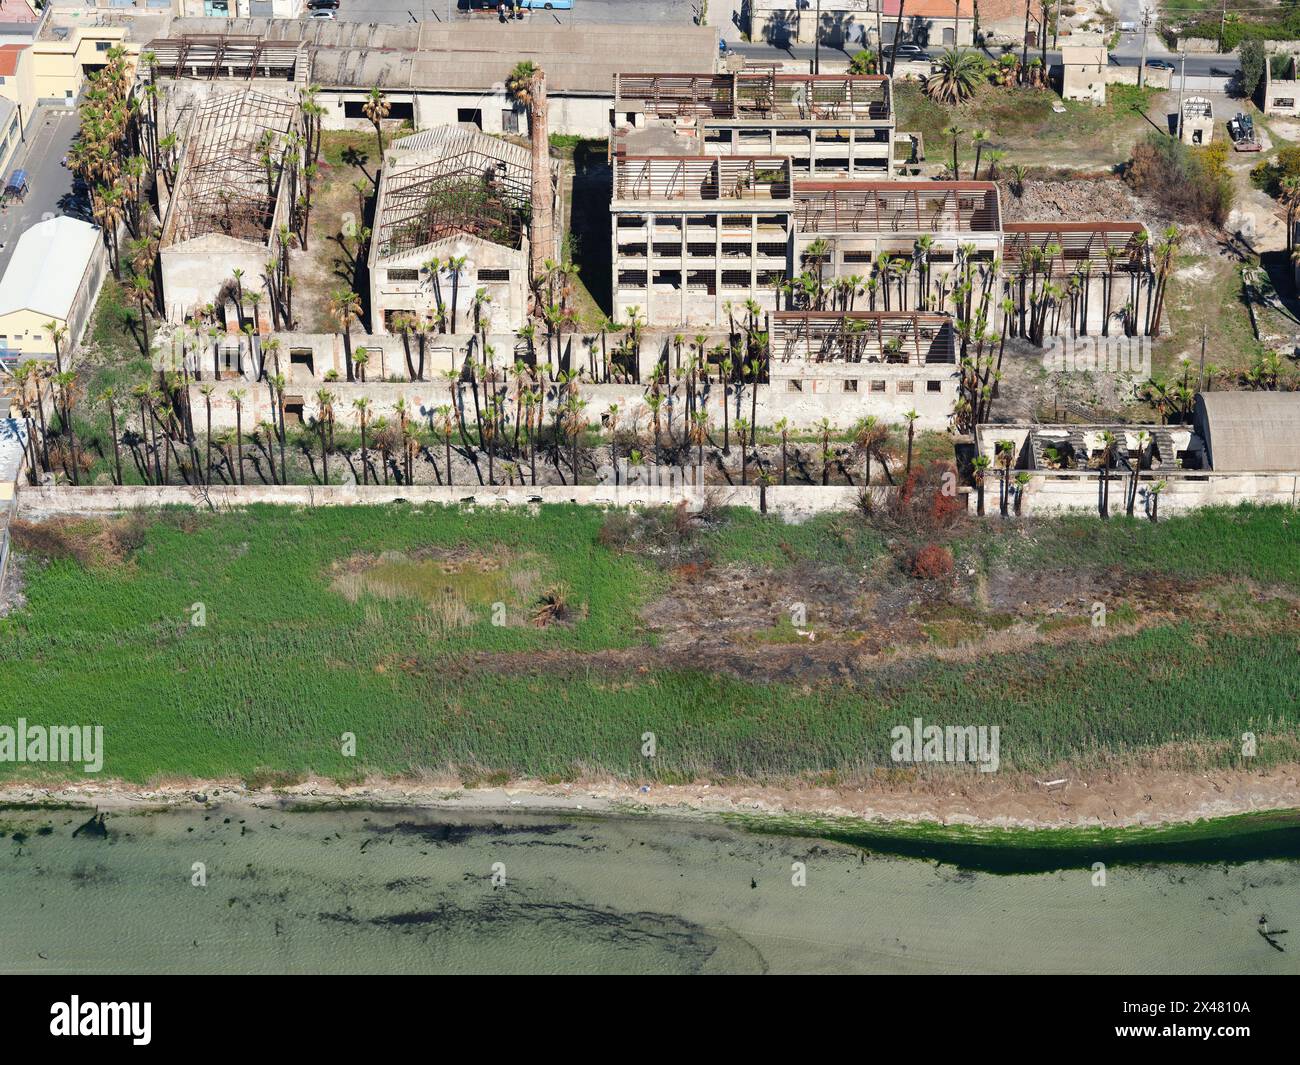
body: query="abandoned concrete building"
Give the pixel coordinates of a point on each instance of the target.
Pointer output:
(691, 233)
(1281, 92)
(461, 199)
(830, 125)
(1239, 447)
(233, 190)
(1196, 124)
(432, 73)
(843, 229)
(851, 363)
(1102, 268)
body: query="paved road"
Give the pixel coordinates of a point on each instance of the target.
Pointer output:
(49, 184)
(1197, 65)
(629, 11)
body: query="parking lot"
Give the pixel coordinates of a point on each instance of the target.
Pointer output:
(49, 185)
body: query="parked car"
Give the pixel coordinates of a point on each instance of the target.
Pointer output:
(322, 5)
(1160, 64)
(322, 13)
(908, 53)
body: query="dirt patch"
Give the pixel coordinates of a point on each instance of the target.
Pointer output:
(95, 543)
(806, 624)
(456, 586)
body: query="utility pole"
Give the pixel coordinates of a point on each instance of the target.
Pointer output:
(1182, 84)
(817, 41)
(1200, 383)
(1142, 65)
(1223, 22)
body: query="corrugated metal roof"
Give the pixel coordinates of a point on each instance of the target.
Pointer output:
(1250, 431)
(47, 267)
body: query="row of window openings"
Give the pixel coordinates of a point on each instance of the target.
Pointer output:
(705, 251)
(736, 222)
(700, 280)
(484, 274)
(903, 388)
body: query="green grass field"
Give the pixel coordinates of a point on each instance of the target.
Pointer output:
(287, 663)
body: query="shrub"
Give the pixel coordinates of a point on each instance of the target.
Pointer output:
(931, 563)
(923, 502)
(1191, 183)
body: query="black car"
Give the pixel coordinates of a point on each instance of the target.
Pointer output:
(1160, 64)
(322, 5)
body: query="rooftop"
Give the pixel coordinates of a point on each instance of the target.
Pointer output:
(1250, 431)
(1079, 242)
(467, 55)
(701, 178)
(47, 267)
(9, 54)
(763, 95)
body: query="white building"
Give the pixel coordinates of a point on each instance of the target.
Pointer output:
(54, 276)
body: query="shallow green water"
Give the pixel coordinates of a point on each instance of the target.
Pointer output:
(412, 891)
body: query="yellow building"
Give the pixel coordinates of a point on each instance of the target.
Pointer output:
(54, 276)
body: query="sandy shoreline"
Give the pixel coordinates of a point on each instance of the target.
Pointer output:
(1102, 799)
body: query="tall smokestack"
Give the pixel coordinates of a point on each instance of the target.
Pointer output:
(542, 235)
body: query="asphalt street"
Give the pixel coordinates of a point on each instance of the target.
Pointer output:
(49, 184)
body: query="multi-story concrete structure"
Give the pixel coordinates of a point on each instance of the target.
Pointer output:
(831, 125)
(692, 232)
(844, 229)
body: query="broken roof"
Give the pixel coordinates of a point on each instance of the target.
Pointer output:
(897, 206)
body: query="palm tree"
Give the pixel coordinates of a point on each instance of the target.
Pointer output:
(980, 467)
(206, 391)
(911, 417)
(742, 429)
(978, 139)
(1154, 492)
(445, 424)
(237, 398)
(1005, 450)
(376, 109)
(142, 288)
(454, 266)
(957, 74)
(109, 398)
(345, 308)
(1143, 442)
(954, 131)
(1022, 480)
(1103, 467)
(325, 425)
(362, 407)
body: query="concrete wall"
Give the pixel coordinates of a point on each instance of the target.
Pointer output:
(793, 502)
(508, 308)
(583, 116)
(1051, 493)
(822, 395)
(193, 271)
